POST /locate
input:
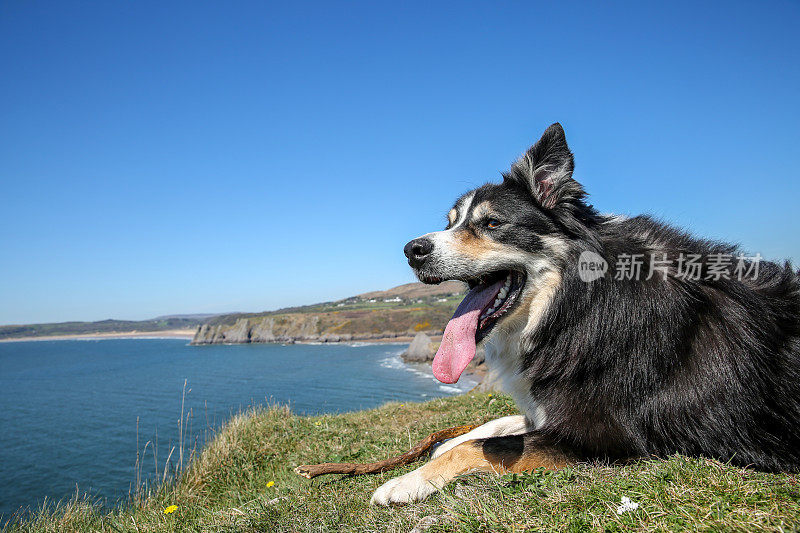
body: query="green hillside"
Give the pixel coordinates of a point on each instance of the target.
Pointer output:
(243, 481)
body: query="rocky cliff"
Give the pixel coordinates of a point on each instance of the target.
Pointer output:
(402, 311)
(333, 326)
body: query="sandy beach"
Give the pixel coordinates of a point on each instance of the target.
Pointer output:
(166, 334)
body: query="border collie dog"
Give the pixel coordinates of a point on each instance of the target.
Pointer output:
(617, 337)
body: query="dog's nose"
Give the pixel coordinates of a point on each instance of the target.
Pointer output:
(417, 250)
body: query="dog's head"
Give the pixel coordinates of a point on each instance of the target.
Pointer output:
(503, 240)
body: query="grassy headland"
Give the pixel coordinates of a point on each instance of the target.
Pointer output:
(399, 312)
(243, 481)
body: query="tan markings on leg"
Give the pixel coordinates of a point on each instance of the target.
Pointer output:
(507, 425)
(548, 459)
(501, 455)
(498, 454)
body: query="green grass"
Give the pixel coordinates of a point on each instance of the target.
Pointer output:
(226, 489)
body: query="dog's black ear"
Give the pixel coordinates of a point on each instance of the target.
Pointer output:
(546, 170)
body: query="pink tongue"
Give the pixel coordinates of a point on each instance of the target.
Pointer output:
(458, 342)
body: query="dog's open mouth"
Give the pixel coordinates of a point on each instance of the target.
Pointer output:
(489, 299)
(504, 299)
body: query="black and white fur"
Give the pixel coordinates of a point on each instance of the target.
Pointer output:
(617, 369)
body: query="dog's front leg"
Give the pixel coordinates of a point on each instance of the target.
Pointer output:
(500, 427)
(514, 453)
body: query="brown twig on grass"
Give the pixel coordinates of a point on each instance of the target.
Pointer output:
(357, 469)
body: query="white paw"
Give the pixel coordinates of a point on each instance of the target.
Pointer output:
(409, 488)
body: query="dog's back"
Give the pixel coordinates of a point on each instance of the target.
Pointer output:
(707, 366)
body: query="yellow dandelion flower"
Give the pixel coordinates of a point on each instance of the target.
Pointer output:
(171, 509)
(317, 423)
(270, 484)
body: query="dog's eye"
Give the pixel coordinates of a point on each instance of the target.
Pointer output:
(493, 223)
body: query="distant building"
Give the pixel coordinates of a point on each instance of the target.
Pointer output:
(395, 299)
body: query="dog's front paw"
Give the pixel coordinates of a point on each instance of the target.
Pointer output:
(409, 488)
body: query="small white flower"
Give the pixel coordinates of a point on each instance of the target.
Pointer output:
(627, 505)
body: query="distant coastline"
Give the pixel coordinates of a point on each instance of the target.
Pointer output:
(180, 334)
(165, 334)
(391, 316)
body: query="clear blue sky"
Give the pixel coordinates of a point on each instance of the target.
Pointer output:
(178, 157)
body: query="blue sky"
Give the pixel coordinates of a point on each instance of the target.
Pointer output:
(178, 157)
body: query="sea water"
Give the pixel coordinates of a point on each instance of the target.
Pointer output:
(71, 412)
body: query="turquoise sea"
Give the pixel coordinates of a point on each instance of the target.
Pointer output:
(69, 410)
